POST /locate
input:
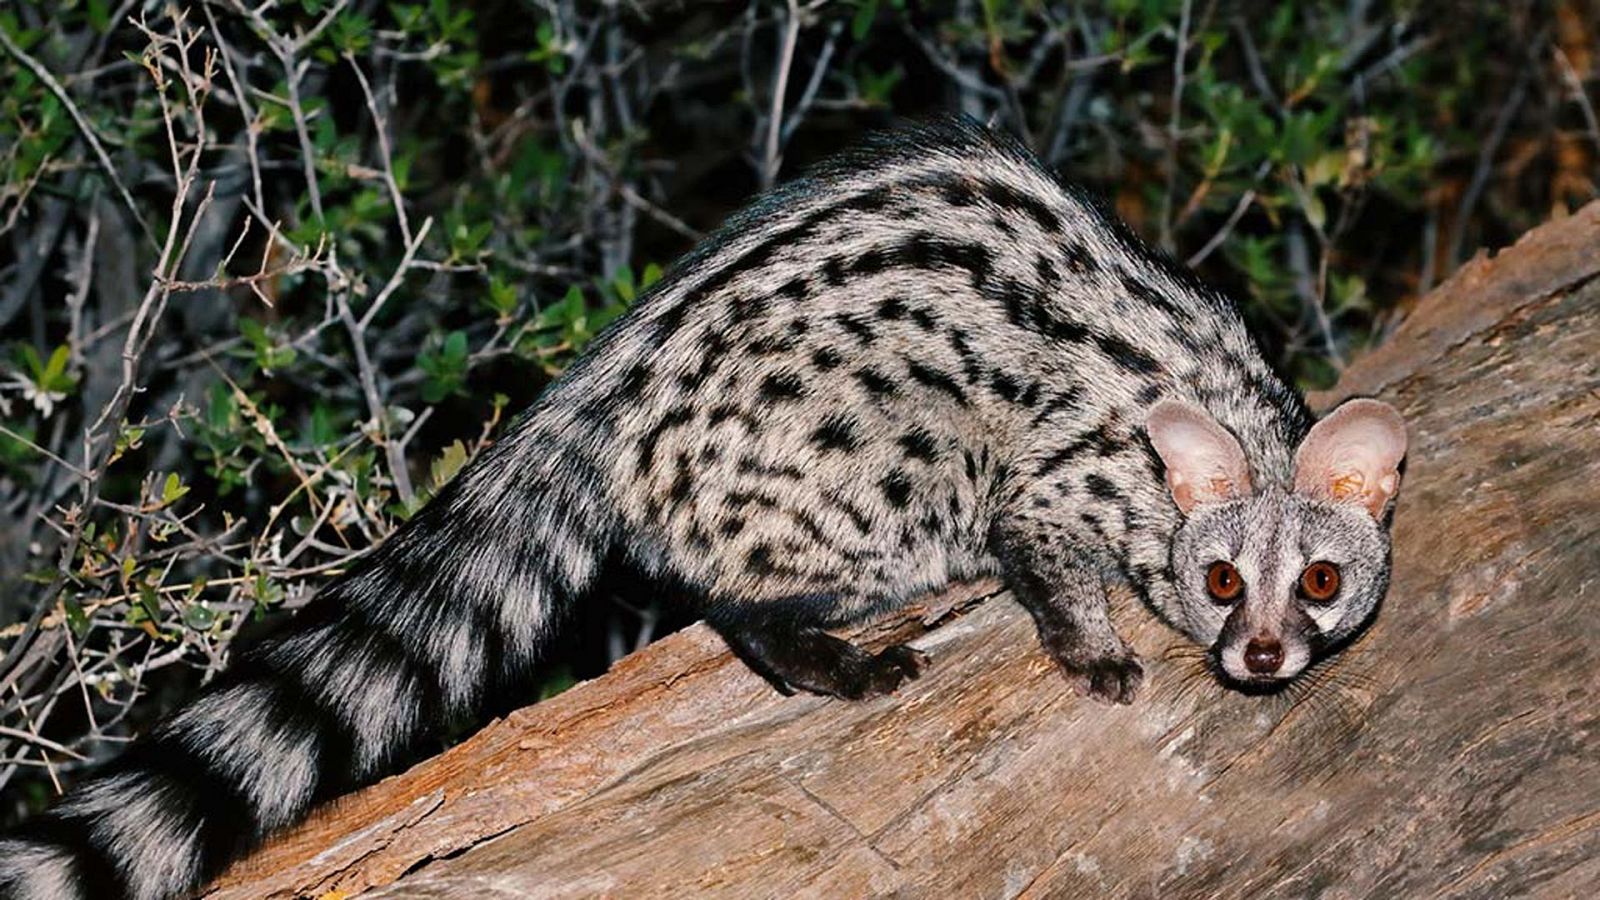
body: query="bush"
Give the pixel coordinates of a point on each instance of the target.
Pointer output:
(273, 273)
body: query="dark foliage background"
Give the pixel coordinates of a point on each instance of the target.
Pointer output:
(270, 272)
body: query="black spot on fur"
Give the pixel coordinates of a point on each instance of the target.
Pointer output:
(1062, 456)
(1079, 260)
(780, 387)
(1046, 270)
(670, 320)
(674, 418)
(1030, 396)
(1009, 198)
(633, 382)
(713, 346)
(1026, 308)
(749, 465)
(834, 272)
(1151, 297)
(870, 262)
(970, 366)
(837, 432)
(871, 200)
(1062, 400)
(925, 250)
(1101, 486)
(856, 327)
(958, 191)
(745, 308)
(737, 500)
(682, 484)
(767, 344)
(698, 539)
(796, 289)
(1153, 463)
(826, 358)
(939, 381)
(759, 560)
(1184, 337)
(925, 318)
(892, 308)
(1006, 387)
(730, 526)
(919, 444)
(876, 383)
(852, 512)
(1127, 356)
(896, 488)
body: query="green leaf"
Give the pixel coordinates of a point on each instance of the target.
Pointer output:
(173, 489)
(622, 283)
(149, 602)
(455, 348)
(77, 619)
(447, 464)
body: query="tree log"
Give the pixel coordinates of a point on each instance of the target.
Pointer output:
(1451, 751)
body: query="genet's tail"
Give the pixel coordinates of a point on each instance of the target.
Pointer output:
(446, 616)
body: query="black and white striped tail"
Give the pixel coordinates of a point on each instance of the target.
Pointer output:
(447, 615)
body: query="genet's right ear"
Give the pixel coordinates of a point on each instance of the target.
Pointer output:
(1205, 464)
(1353, 456)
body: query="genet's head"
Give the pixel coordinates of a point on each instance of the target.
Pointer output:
(1274, 577)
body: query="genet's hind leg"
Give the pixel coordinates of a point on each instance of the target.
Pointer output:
(808, 658)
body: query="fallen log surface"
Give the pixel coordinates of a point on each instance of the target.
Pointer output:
(1454, 751)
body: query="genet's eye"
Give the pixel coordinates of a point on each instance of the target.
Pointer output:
(1320, 582)
(1223, 582)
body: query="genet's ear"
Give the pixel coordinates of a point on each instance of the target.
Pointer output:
(1204, 462)
(1353, 456)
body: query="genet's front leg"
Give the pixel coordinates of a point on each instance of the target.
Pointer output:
(1066, 595)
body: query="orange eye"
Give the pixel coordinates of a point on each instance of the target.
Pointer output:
(1223, 582)
(1320, 582)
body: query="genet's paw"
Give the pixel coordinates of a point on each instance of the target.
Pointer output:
(1108, 679)
(874, 675)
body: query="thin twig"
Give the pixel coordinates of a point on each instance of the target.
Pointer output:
(1174, 127)
(1575, 85)
(780, 87)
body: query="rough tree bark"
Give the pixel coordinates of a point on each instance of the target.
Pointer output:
(1453, 751)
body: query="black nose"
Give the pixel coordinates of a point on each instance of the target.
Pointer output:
(1263, 655)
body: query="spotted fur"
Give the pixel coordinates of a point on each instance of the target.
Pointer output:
(926, 361)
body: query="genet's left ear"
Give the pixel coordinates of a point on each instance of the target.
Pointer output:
(1353, 456)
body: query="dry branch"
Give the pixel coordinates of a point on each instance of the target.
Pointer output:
(1451, 752)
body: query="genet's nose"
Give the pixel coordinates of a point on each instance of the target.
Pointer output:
(1263, 655)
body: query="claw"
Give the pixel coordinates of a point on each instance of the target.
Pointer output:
(1108, 679)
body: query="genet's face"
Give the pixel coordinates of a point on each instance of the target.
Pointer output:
(1274, 582)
